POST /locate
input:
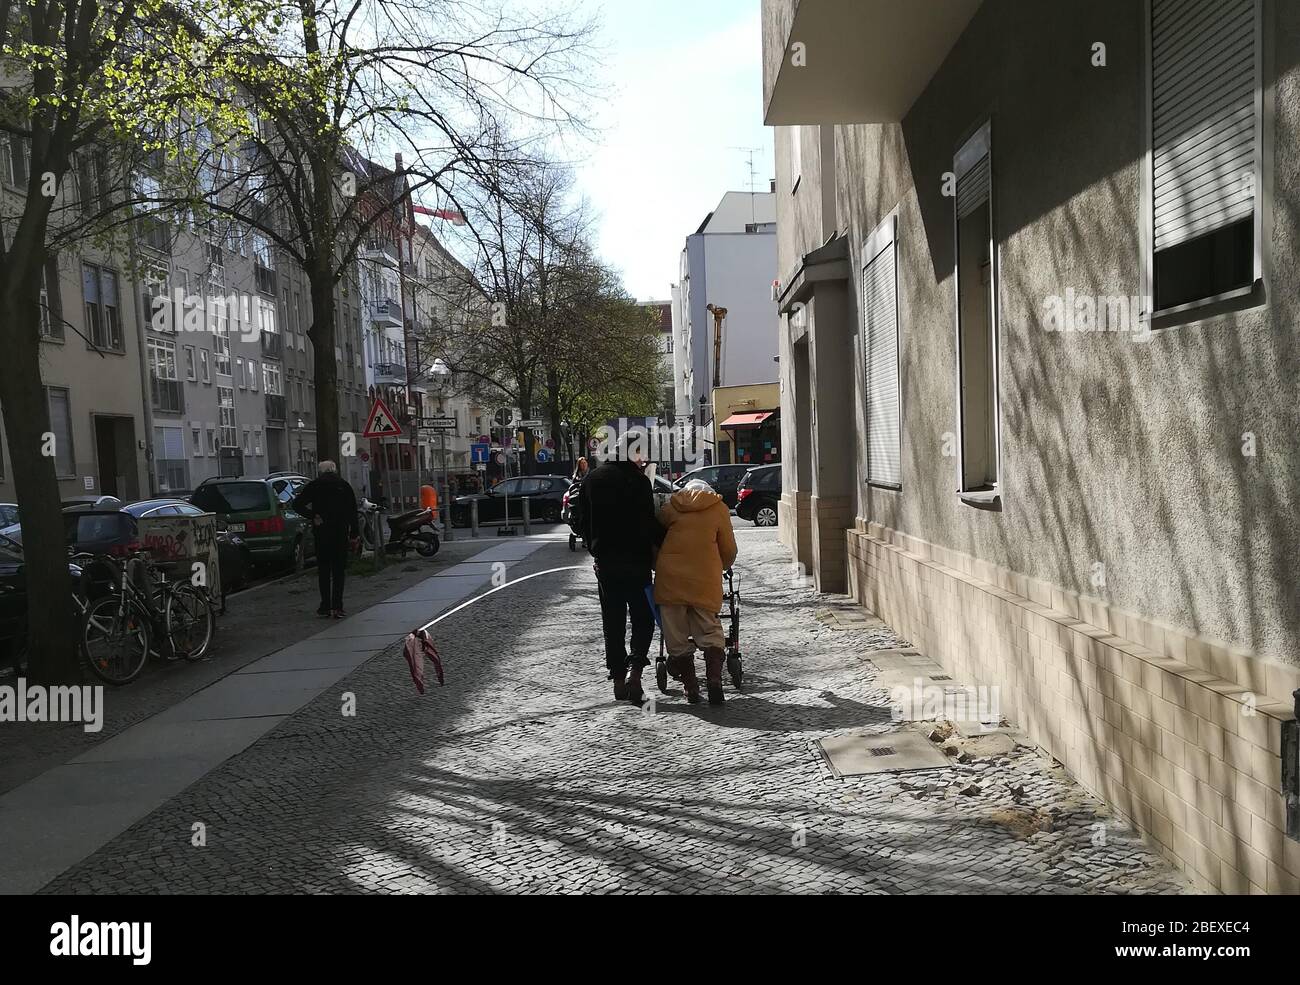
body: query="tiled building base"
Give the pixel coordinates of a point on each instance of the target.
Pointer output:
(1180, 735)
(830, 516)
(794, 525)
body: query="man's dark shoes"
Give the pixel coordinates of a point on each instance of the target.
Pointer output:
(338, 614)
(620, 686)
(323, 612)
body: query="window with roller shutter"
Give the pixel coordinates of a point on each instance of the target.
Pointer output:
(1203, 184)
(880, 356)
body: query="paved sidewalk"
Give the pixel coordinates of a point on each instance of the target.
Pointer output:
(70, 810)
(523, 775)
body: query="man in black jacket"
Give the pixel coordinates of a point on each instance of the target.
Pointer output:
(331, 505)
(620, 528)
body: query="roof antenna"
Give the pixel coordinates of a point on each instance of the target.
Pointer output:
(750, 151)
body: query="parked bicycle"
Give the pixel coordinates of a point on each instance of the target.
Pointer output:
(143, 613)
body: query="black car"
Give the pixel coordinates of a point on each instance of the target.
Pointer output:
(723, 478)
(13, 599)
(759, 494)
(545, 494)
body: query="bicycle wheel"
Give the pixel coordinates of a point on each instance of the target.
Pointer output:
(190, 622)
(115, 640)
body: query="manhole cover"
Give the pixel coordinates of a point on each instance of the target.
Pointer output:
(856, 754)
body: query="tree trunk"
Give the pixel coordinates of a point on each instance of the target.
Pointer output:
(52, 633)
(327, 377)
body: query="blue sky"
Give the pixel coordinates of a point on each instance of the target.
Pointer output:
(685, 88)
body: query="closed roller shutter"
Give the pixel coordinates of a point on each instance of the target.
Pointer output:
(880, 332)
(973, 188)
(1204, 76)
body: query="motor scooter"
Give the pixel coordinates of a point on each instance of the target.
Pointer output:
(416, 528)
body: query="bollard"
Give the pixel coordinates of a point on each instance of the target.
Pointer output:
(473, 517)
(376, 521)
(526, 517)
(447, 533)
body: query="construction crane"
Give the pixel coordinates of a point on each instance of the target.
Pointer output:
(719, 316)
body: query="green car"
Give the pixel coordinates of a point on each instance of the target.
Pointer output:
(273, 532)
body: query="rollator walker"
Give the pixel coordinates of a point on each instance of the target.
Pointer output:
(730, 616)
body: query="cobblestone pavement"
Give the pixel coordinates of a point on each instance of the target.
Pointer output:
(524, 775)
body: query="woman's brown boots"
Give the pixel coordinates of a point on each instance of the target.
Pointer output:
(714, 658)
(683, 668)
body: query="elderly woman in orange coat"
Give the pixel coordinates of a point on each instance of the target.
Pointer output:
(698, 547)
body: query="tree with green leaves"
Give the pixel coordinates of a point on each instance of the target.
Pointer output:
(89, 87)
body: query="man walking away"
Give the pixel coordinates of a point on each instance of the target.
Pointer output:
(331, 505)
(620, 528)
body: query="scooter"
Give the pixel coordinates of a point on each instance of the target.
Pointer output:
(415, 528)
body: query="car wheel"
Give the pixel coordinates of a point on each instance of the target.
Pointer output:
(765, 516)
(299, 555)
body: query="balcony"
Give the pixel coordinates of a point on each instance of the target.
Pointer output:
(265, 278)
(272, 345)
(390, 374)
(168, 395)
(275, 410)
(864, 61)
(378, 251)
(387, 312)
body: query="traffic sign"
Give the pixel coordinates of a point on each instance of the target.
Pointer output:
(530, 424)
(438, 423)
(478, 453)
(381, 423)
(593, 444)
(543, 456)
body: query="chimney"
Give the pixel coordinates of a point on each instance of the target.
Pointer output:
(771, 186)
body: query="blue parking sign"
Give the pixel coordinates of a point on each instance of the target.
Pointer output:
(478, 453)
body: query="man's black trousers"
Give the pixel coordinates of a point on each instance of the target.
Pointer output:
(331, 566)
(621, 599)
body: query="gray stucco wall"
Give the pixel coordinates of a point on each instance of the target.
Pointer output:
(1115, 452)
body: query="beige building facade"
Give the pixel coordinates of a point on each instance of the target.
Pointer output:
(1039, 355)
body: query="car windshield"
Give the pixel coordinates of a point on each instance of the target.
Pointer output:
(11, 544)
(231, 497)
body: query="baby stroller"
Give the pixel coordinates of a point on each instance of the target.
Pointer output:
(730, 617)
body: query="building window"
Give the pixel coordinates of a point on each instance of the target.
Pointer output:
(226, 417)
(60, 406)
(170, 466)
(271, 379)
(165, 384)
(213, 447)
(103, 321)
(252, 375)
(204, 373)
(1205, 183)
(880, 355)
(190, 364)
(240, 378)
(15, 160)
(51, 302)
(221, 341)
(977, 344)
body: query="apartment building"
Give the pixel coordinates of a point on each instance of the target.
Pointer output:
(728, 262)
(1038, 359)
(92, 357)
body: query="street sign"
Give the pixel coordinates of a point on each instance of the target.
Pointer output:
(503, 417)
(438, 423)
(478, 453)
(484, 439)
(543, 456)
(381, 423)
(550, 442)
(593, 444)
(501, 459)
(530, 424)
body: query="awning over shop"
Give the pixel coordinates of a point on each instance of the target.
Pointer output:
(746, 420)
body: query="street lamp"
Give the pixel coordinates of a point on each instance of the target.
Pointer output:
(302, 464)
(440, 375)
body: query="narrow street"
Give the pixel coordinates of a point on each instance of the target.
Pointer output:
(522, 774)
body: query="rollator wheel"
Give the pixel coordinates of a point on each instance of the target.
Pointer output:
(573, 542)
(735, 669)
(661, 676)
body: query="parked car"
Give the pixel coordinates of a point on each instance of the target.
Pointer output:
(758, 495)
(287, 485)
(233, 556)
(91, 503)
(8, 514)
(723, 479)
(262, 516)
(13, 599)
(545, 493)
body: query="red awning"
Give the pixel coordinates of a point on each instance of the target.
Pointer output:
(746, 420)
